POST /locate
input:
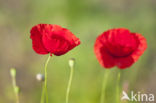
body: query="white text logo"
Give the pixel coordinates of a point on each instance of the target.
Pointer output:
(138, 96)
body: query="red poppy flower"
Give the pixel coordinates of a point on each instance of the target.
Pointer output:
(53, 39)
(119, 47)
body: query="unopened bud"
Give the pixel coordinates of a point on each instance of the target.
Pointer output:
(13, 72)
(40, 77)
(71, 62)
(17, 89)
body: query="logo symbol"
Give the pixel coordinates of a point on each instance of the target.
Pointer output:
(125, 96)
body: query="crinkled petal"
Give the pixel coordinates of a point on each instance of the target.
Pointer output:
(36, 36)
(104, 58)
(124, 62)
(142, 45)
(59, 40)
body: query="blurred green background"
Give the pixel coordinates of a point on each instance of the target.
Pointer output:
(86, 19)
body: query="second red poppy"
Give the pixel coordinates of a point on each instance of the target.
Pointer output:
(119, 47)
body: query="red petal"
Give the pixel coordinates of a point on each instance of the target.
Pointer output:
(124, 62)
(59, 40)
(104, 58)
(36, 37)
(142, 45)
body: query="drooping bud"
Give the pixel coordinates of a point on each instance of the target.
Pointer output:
(71, 62)
(40, 77)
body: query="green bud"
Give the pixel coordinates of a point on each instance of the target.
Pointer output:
(71, 62)
(17, 89)
(13, 72)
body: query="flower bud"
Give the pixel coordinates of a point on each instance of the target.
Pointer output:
(71, 62)
(13, 72)
(40, 77)
(17, 89)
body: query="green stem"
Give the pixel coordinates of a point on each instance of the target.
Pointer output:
(118, 88)
(16, 88)
(105, 76)
(69, 84)
(42, 96)
(44, 89)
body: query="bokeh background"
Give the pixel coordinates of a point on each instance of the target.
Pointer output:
(86, 19)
